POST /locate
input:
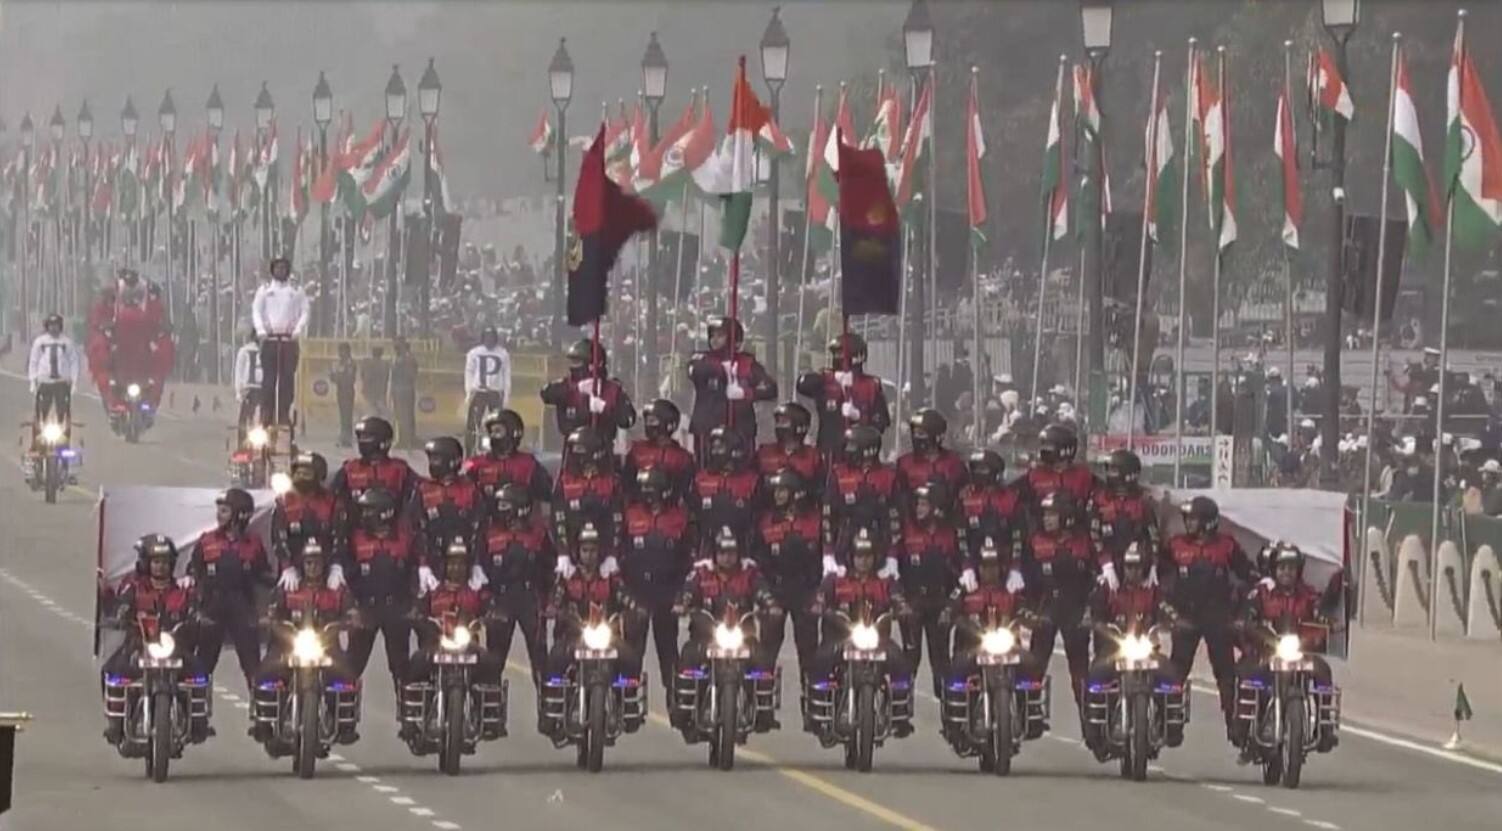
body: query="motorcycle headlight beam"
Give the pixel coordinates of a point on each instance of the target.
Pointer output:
(597, 636)
(729, 637)
(280, 483)
(998, 641)
(307, 646)
(1136, 648)
(257, 437)
(162, 648)
(458, 641)
(52, 432)
(133, 391)
(1289, 648)
(864, 637)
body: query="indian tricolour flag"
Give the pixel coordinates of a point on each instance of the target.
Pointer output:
(1473, 153)
(1159, 157)
(1055, 183)
(731, 174)
(383, 191)
(1408, 168)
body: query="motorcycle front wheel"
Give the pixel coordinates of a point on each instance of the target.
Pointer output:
(51, 478)
(161, 737)
(594, 734)
(865, 727)
(1134, 760)
(1001, 732)
(726, 726)
(306, 761)
(1293, 742)
(453, 730)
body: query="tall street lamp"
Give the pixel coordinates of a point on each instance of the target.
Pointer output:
(167, 118)
(1340, 18)
(28, 142)
(918, 49)
(265, 110)
(654, 77)
(429, 93)
(775, 47)
(396, 111)
(85, 135)
(1096, 19)
(214, 108)
(57, 127)
(561, 88)
(323, 115)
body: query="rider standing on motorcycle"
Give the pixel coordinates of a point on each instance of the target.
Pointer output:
(930, 462)
(728, 381)
(248, 382)
(660, 540)
(845, 395)
(151, 593)
(381, 552)
(487, 378)
(308, 509)
(993, 600)
(444, 506)
(1203, 571)
(229, 565)
(863, 493)
(470, 605)
(787, 545)
(515, 557)
(659, 449)
(373, 469)
(727, 490)
(989, 509)
(1121, 513)
(504, 462)
(790, 450)
(585, 397)
(588, 489)
(52, 370)
(1056, 471)
(1058, 565)
(928, 555)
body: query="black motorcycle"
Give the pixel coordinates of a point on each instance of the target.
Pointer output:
(1138, 712)
(481, 402)
(592, 702)
(450, 712)
(725, 703)
(305, 713)
(861, 703)
(990, 713)
(1283, 712)
(162, 711)
(52, 460)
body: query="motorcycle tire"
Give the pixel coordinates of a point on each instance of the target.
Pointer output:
(1002, 728)
(305, 763)
(1293, 742)
(594, 734)
(1139, 738)
(161, 737)
(51, 478)
(453, 730)
(132, 430)
(865, 728)
(726, 726)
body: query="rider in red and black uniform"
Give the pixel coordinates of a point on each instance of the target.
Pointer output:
(788, 545)
(587, 489)
(444, 505)
(928, 556)
(726, 586)
(989, 509)
(516, 557)
(1204, 571)
(660, 540)
(728, 381)
(1058, 564)
(229, 565)
(504, 462)
(727, 490)
(585, 397)
(373, 469)
(659, 449)
(1121, 513)
(789, 449)
(1056, 471)
(380, 557)
(456, 600)
(930, 462)
(863, 492)
(308, 509)
(844, 395)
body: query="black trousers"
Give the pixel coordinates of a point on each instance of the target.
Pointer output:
(924, 625)
(404, 402)
(278, 379)
(1076, 649)
(54, 396)
(346, 400)
(238, 620)
(664, 625)
(524, 610)
(390, 620)
(805, 635)
(1217, 637)
(248, 407)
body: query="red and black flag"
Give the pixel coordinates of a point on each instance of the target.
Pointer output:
(604, 218)
(870, 236)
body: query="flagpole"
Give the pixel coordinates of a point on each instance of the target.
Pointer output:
(975, 285)
(1048, 220)
(1287, 258)
(1178, 388)
(1079, 333)
(1217, 262)
(933, 230)
(1149, 155)
(1371, 409)
(902, 357)
(834, 254)
(808, 227)
(677, 291)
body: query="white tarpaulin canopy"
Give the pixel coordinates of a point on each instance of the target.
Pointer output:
(128, 513)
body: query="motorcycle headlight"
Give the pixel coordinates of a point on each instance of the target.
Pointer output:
(307, 646)
(864, 637)
(1289, 648)
(458, 641)
(257, 438)
(1136, 648)
(133, 391)
(52, 432)
(597, 636)
(280, 483)
(162, 648)
(998, 641)
(729, 637)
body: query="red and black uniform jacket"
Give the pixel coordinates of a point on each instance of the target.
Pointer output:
(829, 398)
(457, 599)
(571, 407)
(707, 372)
(945, 468)
(580, 498)
(311, 604)
(442, 511)
(1201, 575)
(357, 476)
(159, 609)
(380, 569)
(300, 516)
(1119, 518)
(1131, 608)
(1042, 480)
(584, 598)
(861, 497)
(788, 547)
(978, 610)
(1295, 610)
(515, 558)
(228, 570)
(804, 460)
(993, 511)
(725, 593)
(1060, 571)
(725, 498)
(657, 552)
(490, 472)
(928, 557)
(670, 458)
(860, 599)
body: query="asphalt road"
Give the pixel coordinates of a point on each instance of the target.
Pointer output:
(68, 778)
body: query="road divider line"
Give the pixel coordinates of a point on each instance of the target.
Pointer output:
(1287, 812)
(1255, 800)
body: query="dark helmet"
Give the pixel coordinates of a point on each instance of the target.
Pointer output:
(240, 503)
(285, 263)
(155, 545)
(726, 448)
(862, 545)
(856, 345)
(862, 443)
(490, 336)
(1123, 467)
(53, 324)
(1285, 552)
(582, 353)
(588, 538)
(791, 421)
(1204, 511)
(927, 427)
(504, 428)
(377, 508)
(653, 484)
(445, 454)
(660, 418)
(373, 436)
(456, 548)
(789, 480)
(1057, 443)
(586, 445)
(1060, 505)
(1133, 556)
(725, 540)
(933, 493)
(726, 325)
(309, 468)
(986, 466)
(311, 548)
(512, 501)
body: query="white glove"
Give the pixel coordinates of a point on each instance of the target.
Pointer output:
(850, 411)
(564, 567)
(1015, 583)
(1267, 583)
(587, 386)
(185, 581)
(426, 582)
(968, 581)
(290, 580)
(477, 578)
(596, 405)
(729, 367)
(888, 569)
(1108, 576)
(845, 379)
(832, 567)
(1152, 576)
(336, 577)
(735, 392)
(609, 567)
(701, 564)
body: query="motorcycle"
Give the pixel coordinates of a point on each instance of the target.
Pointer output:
(52, 460)
(1284, 712)
(990, 713)
(304, 713)
(1139, 712)
(723, 704)
(450, 713)
(481, 402)
(132, 416)
(861, 703)
(593, 704)
(162, 711)
(250, 464)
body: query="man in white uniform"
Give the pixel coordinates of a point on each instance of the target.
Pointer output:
(280, 315)
(52, 369)
(248, 381)
(487, 382)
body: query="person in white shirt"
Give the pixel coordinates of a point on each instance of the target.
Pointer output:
(280, 315)
(487, 382)
(248, 381)
(52, 369)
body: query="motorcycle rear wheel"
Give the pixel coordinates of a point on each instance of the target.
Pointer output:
(865, 730)
(1293, 742)
(725, 728)
(453, 730)
(305, 763)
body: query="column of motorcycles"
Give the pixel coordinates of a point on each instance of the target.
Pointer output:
(842, 546)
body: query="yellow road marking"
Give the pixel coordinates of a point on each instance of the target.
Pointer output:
(813, 782)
